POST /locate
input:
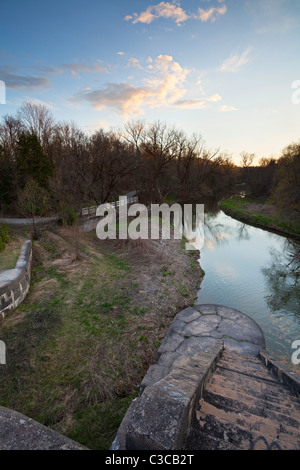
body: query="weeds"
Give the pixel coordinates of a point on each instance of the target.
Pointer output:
(85, 336)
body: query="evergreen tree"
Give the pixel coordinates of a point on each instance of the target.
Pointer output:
(32, 162)
(7, 192)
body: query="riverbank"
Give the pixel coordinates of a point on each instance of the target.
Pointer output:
(80, 344)
(261, 213)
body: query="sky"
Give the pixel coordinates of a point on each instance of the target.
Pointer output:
(226, 70)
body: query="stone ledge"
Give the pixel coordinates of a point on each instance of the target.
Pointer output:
(284, 375)
(161, 416)
(15, 283)
(196, 328)
(18, 432)
(164, 413)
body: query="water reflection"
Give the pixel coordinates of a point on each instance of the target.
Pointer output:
(282, 276)
(256, 272)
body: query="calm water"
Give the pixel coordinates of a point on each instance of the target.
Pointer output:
(252, 270)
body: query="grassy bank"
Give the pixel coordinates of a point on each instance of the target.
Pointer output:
(83, 339)
(11, 250)
(260, 212)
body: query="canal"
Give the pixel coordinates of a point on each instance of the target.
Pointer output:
(254, 271)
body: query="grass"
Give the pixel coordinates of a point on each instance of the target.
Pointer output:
(82, 340)
(261, 212)
(61, 357)
(11, 251)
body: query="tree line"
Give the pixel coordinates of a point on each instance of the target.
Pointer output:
(55, 166)
(68, 167)
(277, 180)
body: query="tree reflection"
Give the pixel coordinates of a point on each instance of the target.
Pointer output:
(242, 232)
(282, 277)
(216, 233)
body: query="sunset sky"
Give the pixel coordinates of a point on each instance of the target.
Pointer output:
(224, 69)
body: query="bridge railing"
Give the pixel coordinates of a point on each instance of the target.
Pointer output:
(91, 210)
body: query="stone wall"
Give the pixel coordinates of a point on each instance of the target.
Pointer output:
(164, 413)
(15, 283)
(18, 432)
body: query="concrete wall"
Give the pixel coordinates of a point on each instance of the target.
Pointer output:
(15, 283)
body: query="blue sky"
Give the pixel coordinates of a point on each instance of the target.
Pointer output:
(223, 69)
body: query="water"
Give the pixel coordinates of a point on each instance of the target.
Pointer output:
(252, 270)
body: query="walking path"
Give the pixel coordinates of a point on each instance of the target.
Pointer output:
(17, 221)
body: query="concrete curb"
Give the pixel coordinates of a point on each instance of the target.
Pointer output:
(15, 283)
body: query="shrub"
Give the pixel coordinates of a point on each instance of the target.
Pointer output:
(4, 236)
(70, 218)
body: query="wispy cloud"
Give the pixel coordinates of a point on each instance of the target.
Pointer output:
(15, 80)
(133, 62)
(191, 104)
(198, 103)
(76, 69)
(162, 86)
(211, 14)
(227, 109)
(235, 62)
(173, 11)
(33, 77)
(162, 10)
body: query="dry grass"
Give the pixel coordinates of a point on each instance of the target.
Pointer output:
(9, 256)
(81, 342)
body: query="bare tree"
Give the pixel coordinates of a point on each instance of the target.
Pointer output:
(37, 119)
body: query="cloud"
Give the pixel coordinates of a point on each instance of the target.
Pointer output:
(15, 81)
(211, 13)
(162, 10)
(226, 109)
(191, 104)
(199, 103)
(133, 62)
(214, 98)
(77, 68)
(163, 86)
(38, 77)
(235, 62)
(174, 12)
